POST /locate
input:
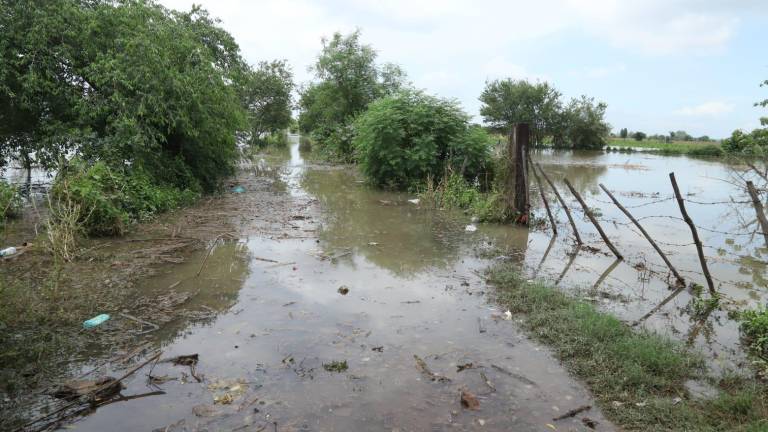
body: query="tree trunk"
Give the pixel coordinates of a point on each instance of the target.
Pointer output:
(517, 200)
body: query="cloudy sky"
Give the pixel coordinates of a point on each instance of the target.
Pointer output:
(660, 65)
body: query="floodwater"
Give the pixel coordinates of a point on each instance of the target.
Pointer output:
(415, 288)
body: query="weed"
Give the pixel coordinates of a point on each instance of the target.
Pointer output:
(10, 201)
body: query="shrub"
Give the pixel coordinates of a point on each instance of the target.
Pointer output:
(754, 326)
(10, 201)
(748, 144)
(111, 199)
(706, 150)
(454, 191)
(404, 138)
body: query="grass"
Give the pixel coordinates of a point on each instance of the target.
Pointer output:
(691, 148)
(453, 192)
(635, 376)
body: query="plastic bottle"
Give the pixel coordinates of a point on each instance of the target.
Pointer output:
(95, 321)
(8, 251)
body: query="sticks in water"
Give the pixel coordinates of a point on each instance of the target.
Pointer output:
(591, 217)
(543, 197)
(562, 202)
(679, 278)
(758, 209)
(695, 234)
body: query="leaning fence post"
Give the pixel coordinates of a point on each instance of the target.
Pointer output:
(759, 210)
(679, 278)
(543, 197)
(562, 203)
(696, 241)
(591, 217)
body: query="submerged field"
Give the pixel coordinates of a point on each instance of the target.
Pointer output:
(319, 300)
(692, 148)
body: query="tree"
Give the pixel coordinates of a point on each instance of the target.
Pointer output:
(406, 137)
(268, 98)
(623, 133)
(507, 102)
(638, 136)
(348, 79)
(126, 81)
(584, 126)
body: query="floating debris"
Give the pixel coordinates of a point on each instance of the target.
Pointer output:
(343, 290)
(470, 228)
(422, 367)
(95, 321)
(469, 401)
(336, 366)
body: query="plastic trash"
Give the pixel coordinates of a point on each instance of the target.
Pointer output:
(414, 201)
(8, 251)
(95, 321)
(470, 228)
(238, 189)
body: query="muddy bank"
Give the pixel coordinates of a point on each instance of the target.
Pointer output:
(323, 272)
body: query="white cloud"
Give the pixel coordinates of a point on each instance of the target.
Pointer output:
(713, 108)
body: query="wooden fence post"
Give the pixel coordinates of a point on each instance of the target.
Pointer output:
(696, 241)
(562, 203)
(679, 278)
(591, 217)
(759, 210)
(516, 191)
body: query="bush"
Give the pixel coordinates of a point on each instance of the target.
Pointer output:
(706, 150)
(10, 201)
(747, 144)
(404, 138)
(754, 326)
(111, 199)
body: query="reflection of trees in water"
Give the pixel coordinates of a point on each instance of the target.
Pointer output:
(410, 239)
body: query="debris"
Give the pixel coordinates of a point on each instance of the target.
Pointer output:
(8, 251)
(469, 401)
(480, 325)
(378, 349)
(265, 260)
(421, 365)
(95, 321)
(573, 412)
(470, 228)
(414, 201)
(464, 366)
(238, 189)
(205, 411)
(102, 388)
(336, 366)
(411, 302)
(343, 290)
(508, 315)
(162, 379)
(232, 390)
(481, 422)
(289, 304)
(183, 360)
(513, 375)
(588, 422)
(487, 382)
(676, 400)
(141, 321)
(373, 243)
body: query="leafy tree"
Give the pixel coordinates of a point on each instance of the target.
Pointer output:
(507, 102)
(268, 98)
(348, 79)
(583, 125)
(623, 133)
(404, 138)
(121, 82)
(639, 136)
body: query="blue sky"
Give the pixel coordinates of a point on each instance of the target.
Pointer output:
(660, 65)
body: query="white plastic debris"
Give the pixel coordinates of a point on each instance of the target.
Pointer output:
(508, 315)
(414, 201)
(8, 251)
(470, 228)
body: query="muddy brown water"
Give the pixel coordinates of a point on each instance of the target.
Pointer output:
(415, 288)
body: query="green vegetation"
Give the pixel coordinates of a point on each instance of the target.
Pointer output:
(754, 143)
(754, 326)
(691, 148)
(404, 138)
(268, 97)
(580, 124)
(455, 192)
(348, 79)
(336, 366)
(636, 376)
(111, 199)
(10, 201)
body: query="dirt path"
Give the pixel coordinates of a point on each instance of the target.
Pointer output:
(337, 308)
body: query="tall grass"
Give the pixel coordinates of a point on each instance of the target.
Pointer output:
(691, 148)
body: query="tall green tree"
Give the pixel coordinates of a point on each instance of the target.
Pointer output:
(507, 102)
(347, 81)
(623, 133)
(268, 98)
(584, 125)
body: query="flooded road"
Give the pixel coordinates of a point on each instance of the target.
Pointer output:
(342, 308)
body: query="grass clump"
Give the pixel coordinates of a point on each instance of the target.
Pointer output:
(336, 366)
(455, 192)
(10, 201)
(635, 376)
(754, 327)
